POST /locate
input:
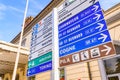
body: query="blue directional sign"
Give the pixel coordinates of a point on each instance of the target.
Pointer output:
(85, 43)
(81, 23)
(83, 14)
(84, 30)
(82, 33)
(41, 68)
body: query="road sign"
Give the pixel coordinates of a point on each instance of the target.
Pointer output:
(67, 11)
(40, 58)
(81, 33)
(99, 51)
(87, 42)
(41, 42)
(82, 15)
(40, 68)
(81, 28)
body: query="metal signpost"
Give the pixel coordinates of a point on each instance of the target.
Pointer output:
(40, 58)
(83, 33)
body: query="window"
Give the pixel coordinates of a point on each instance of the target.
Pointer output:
(62, 74)
(112, 65)
(17, 77)
(6, 79)
(23, 42)
(31, 78)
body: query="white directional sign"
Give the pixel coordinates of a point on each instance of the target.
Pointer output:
(40, 58)
(41, 41)
(71, 8)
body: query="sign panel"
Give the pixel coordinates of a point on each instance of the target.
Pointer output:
(88, 54)
(82, 28)
(41, 41)
(71, 7)
(40, 58)
(40, 68)
(84, 43)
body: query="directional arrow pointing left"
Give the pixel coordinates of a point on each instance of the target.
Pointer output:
(33, 63)
(28, 72)
(29, 64)
(107, 49)
(104, 37)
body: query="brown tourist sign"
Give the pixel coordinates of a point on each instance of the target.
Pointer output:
(88, 54)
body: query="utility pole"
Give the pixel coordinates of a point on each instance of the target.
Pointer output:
(20, 41)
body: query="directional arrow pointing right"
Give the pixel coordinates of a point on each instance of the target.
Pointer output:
(97, 16)
(95, 7)
(100, 27)
(107, 49)
(104, 37)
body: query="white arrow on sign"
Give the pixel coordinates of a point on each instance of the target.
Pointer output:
(95, 7)
(100, 27)
(28, 72)
(107, 49)
(97, 16)
(29, 64)
(104, 37)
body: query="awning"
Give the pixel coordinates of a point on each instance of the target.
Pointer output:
(8, 53)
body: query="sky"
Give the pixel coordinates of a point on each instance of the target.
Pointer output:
(12, 11)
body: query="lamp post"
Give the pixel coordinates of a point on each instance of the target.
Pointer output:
(20, 41)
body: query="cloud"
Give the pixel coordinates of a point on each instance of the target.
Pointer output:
(31, 12)
(2, 9)
(36, 4)
(15, 9)
(1, 15)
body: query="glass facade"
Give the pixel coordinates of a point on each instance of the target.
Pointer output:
(112, 66)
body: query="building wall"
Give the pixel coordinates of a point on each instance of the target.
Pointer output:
(43, 76)
(77, 72)
(95, 70)
(115, 31)
(7, 76)
(27, 36)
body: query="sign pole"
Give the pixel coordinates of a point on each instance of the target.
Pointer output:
(20, 41)
(55, 56)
